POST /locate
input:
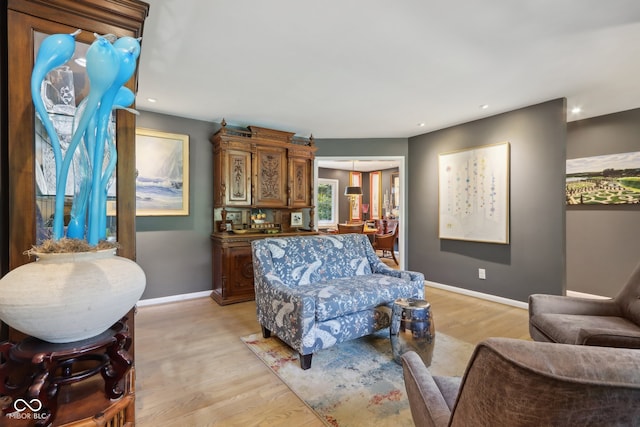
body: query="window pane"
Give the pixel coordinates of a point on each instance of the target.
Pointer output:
(325, 199)
(327, 206)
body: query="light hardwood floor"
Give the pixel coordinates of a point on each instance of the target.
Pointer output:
(193, 370)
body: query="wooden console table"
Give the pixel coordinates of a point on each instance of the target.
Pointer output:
(32, 372)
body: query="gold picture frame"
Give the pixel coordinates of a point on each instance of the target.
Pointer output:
(375, 194)
(162, 173)
(355, 203)
(395, 190)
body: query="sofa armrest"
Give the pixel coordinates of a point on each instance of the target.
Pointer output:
(414, 276)
(284, 311)
(428, 405)
(382, 268)
(541, 303)
(601, 337)
(379, 267)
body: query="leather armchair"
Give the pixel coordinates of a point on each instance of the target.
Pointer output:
(611, 322)
(386, 243)
(513, 382)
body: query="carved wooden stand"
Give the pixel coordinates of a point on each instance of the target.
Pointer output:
(44, 367)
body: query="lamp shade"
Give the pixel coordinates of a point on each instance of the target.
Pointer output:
(353, 191)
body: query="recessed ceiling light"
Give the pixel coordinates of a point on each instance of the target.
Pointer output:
(152, 100)
(576, 110)
(421, 125)
(484, 106)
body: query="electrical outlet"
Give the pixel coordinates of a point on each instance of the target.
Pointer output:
(482, 274)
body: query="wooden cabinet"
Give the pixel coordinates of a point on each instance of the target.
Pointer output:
(270, 170)
(262, 168)
(232, 270)
(256, 170)
(300, 172)
(234, 168)
(29, 21)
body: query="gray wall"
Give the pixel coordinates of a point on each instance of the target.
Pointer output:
(603, 242)
(534, 261)
(175, 251)
(362, 147)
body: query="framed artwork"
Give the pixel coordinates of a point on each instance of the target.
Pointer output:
(296, 219)
(162, 173)
(375, 194)
(234, 217)
(612, 179)
(395, 190)
(473, 192)
(355, 179)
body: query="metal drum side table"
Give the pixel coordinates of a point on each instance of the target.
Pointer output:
(412, 328)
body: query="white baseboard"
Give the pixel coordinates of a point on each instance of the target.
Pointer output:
(488, 297)
(583, 295)
(172, 298)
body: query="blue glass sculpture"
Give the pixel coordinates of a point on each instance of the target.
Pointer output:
(92, 149)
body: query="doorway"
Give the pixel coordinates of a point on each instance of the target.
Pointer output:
(369, 164)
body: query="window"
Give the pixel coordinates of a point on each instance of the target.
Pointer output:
(327, 202)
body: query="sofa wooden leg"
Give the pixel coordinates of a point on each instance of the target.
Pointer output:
(265, 332)
(305, 361)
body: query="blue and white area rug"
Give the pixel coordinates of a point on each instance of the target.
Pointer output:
(356, 383)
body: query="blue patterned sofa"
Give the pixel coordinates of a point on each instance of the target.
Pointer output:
(313, 292)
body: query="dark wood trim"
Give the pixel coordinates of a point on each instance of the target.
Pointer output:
(122, 15)
(4, 156)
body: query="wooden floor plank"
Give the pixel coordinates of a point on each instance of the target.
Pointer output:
(193, 369)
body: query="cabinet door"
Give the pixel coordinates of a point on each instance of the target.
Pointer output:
(300, 171)
(237, 178)
(271, 176)
(240, 273)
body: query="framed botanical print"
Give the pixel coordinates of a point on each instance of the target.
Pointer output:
(355, 202)
(375, 195)
(474, 194)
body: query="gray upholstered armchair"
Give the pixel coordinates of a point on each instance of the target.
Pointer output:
(512, 382)
(601, 322)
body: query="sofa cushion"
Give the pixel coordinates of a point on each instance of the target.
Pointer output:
(347, 295)
(570, 328)
(312, 259)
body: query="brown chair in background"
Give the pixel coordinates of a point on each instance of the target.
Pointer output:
(351, 228)
(386, 243)
(613, 322)
(511, 382)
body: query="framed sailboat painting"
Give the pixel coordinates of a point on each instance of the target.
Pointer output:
(162, 173)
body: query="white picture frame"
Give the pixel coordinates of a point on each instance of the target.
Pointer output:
(296, 219)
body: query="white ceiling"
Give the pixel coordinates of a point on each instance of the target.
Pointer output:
(378, 68)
